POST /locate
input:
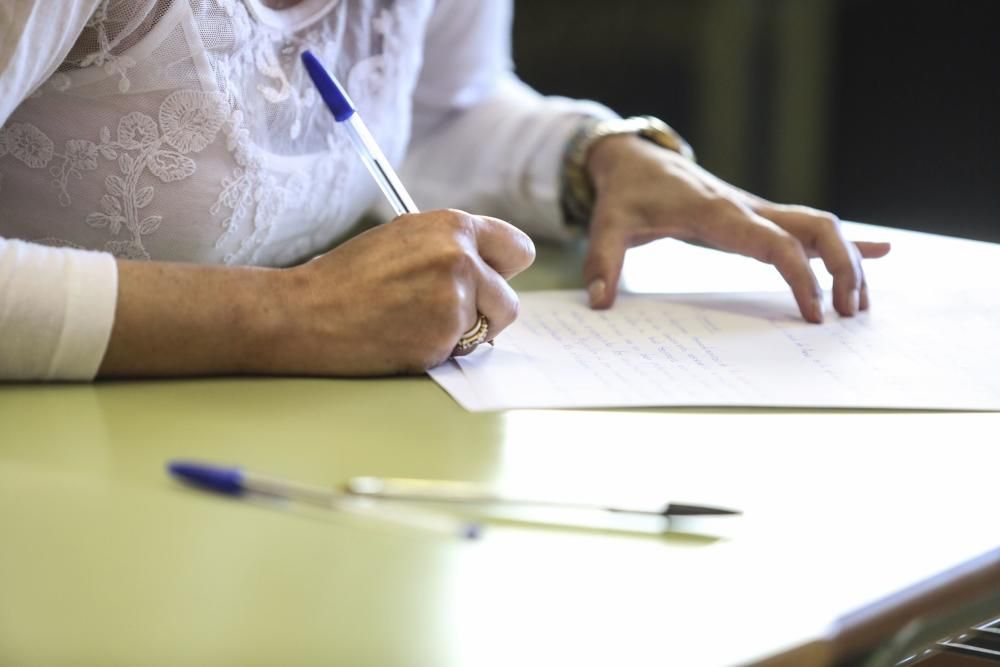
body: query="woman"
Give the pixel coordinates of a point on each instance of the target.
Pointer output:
(157, 155)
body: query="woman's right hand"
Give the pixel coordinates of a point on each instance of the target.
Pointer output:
(396, 298)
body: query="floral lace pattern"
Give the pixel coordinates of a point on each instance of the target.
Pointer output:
(188, 122)
(104, 56)
(244, 94)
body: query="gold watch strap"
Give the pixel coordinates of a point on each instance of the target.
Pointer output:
(577, 190)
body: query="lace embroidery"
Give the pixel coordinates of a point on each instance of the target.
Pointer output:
(189, 121)
(261, 108)
(35, 149)
(104, 56)
(256, 194)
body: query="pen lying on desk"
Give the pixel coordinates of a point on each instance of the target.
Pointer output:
(238, 482)
(440, 491)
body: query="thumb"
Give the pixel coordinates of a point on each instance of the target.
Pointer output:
(603, 265)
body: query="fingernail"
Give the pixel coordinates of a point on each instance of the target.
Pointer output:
(855, 302)
(817, 309)
(596, 290)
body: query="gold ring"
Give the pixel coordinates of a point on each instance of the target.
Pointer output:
(474, 336)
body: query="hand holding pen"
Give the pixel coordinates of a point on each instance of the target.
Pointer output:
(396, 298)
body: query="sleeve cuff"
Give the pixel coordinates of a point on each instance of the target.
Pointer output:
(560, 118)
(57, 308)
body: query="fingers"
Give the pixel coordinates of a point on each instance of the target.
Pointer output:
(498, 251)
(821, 235)
(738, 229)
(503, 252)
(503, 246)
(495, 299)
(603, 265)
(871, 250)
(820, 232)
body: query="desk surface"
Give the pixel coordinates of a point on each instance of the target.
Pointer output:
(848, 514)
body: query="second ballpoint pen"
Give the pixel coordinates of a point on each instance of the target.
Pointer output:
(343, 110)
(452, 492)
(232, 481)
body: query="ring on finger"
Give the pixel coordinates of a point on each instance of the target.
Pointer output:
(474, 336)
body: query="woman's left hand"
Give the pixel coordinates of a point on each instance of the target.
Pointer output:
(645, 192)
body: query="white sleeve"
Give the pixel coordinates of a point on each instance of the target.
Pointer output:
(56, 304)
(35, 37)
(482, 139)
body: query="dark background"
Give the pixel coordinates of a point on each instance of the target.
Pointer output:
(882, 111)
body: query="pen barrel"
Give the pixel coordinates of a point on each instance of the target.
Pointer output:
(451, 492)
(281, 488)
(379, 166)
(363, 507)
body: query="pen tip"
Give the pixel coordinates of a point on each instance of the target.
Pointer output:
(675, 509)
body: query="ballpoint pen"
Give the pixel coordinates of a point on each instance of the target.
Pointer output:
(343, 110)
(442, 491)
(233, 481)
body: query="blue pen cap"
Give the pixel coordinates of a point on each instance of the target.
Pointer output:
(335, 97)
(221, 480)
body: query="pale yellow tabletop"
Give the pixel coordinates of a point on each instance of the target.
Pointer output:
(106, 561)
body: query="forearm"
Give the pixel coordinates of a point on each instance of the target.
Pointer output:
(186, 319)
(394, 299)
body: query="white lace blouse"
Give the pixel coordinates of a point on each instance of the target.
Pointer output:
(187, 130)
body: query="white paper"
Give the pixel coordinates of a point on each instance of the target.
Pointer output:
(911, 351)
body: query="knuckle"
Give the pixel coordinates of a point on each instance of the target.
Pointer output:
(453, 257)
(446, 311)
(827, 222)
(457, 221)
(785, 249)
(719, 207)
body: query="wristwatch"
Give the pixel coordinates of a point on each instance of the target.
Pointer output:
(576, 189)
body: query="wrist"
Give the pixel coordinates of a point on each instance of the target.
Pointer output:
(174, 319)
(609, 152)
(583, 163)
(268, 322)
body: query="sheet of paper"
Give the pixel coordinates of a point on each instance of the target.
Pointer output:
(911, 351)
